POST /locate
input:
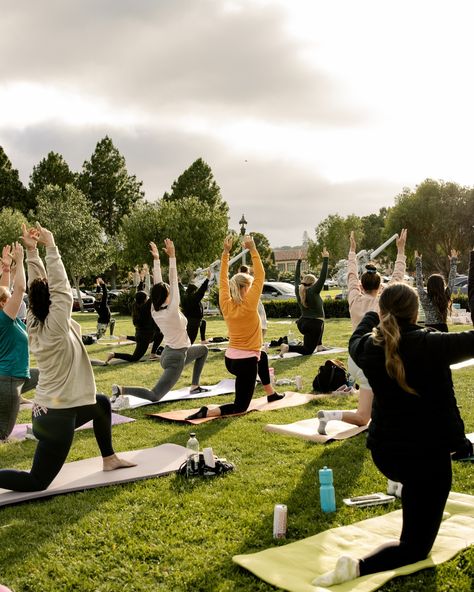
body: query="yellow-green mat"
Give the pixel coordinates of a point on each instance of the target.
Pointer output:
(294, 566)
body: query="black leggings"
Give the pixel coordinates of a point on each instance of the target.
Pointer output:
(312, 331)
(426, 479)
(143, 340)
(195, 325)
(54, 430)
(245, 371)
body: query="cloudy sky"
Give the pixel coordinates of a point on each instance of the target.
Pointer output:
(302, 108)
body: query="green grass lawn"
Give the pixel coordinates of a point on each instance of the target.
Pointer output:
(170, 534)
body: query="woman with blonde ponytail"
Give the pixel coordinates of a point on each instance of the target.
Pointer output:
(238, 300)
(416, 427)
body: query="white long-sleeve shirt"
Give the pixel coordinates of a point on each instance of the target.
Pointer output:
(171, 320)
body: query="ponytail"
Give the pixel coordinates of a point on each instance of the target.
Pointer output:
(398, 305)
(387, 335)
(236, 282)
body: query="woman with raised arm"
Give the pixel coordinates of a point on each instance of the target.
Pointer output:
(178, 350)
(363, 296)
(436, 299)
(407, 367)
(311, 321)
(66, 393)
(16, 377)
(238, 301)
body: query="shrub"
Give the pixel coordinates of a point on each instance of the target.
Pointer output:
(123, 303)
(289, 308)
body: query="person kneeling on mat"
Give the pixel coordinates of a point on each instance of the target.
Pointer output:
(238, 301)
(178, 350)
(66, 393)
(408, 369)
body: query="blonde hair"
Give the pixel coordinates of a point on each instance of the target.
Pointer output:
(5, 294)
(236, 282)
(308, 280)
(398, 305)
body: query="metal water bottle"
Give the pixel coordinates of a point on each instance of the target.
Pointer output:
(327, 495)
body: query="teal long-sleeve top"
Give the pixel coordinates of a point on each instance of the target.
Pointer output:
(314, 308)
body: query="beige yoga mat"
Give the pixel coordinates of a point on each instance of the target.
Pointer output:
(307, 429)
(88, 473)
(291, 399)
(294, 566)
(464, 364)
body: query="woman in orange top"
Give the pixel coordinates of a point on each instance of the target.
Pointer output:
(238, 301)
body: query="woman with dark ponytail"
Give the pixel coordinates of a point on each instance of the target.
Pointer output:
(436, 299)
(416, 426)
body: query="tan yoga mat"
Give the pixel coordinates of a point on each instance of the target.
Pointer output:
(464, 364)
(88, 473)
(19, 431)
(294, 566)
(326, 352)
(307, 429)
(291, 399)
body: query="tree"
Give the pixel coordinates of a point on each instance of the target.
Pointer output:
(438, 218)
(139, 227)
(198, 181)
(52, 170)
(13, 193)
(104, 180)
(10, 225)
(373, 228)
(333, 233)
(197, 230)
(66, 212)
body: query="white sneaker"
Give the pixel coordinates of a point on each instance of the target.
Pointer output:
(120, 403)
(29, 434)
(116, 392)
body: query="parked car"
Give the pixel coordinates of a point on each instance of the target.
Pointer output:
(278, 291)
(87, 301)
(460, 284)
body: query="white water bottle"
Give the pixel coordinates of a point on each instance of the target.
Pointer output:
(193, 454)
(290, 337)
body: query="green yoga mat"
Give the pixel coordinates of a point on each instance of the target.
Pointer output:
(294, 566)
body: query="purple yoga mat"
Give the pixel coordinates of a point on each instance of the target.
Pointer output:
(19, 431)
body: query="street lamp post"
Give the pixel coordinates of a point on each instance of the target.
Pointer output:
(242, 223)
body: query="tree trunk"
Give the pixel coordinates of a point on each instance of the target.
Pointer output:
(76, 279)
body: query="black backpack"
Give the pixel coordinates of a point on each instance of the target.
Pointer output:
(330, 377)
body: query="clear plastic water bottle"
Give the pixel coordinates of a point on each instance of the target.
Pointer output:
(193, 454)
(327, 494)
(290, 337)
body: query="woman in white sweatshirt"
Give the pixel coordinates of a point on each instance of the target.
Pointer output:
(363, 296)
(66, 393)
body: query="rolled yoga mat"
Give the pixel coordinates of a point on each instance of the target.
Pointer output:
(88, 474)
(294, 566)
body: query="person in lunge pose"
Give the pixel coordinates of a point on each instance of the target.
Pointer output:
(436, 299)
(16, 377)
(238, 301)
(362, 297)
(146, 331)
(311, 321)
(102, 308)
(408, 369)
(178, 350)
(192, 308)
(66, 393)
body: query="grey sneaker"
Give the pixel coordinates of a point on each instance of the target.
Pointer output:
(116, 392)
(322, 423)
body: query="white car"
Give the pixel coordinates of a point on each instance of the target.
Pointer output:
(87, 300)
(278, 291)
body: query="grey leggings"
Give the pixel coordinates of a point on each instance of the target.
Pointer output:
(11, 389)
(172, 361)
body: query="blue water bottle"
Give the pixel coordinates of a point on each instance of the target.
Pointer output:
(326, 490)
